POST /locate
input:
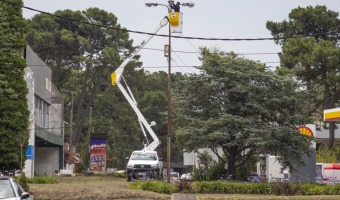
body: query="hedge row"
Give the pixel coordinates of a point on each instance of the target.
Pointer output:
(313, 189)
(231, 188)
(220, 187)
(154, 186)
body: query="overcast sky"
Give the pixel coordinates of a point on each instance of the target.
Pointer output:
(208, 19)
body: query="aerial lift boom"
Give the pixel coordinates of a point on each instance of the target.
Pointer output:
(116, 78)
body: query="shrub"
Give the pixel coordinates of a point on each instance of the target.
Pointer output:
(334, 189)
(287, 188)
(154, 186)
(184, 186)
(215, 171)
(313, 189)
(24, 182)
(120, 174)
(43, 180)
(231, 187)
(81, 168)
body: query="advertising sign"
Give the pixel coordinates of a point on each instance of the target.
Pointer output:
(30, 152)
(98, 155)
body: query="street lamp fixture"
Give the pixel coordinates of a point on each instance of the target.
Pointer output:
(151, 4)
(190, 5)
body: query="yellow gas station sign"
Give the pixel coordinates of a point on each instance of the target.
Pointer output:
(331, 115)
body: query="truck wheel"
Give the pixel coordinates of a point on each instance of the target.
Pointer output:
(129, 178)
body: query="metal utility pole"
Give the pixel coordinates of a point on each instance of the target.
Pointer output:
(169, 8)
(89, 138)
(71, 123)
(169, 106)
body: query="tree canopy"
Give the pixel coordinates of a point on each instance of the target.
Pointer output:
(241, 107)
(82, 54)
(313, 57)
(13, 90)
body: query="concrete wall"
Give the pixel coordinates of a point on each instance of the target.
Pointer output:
(42, 75)
(273, 168)
(29, 163)
(192, 157)
(56, 112)
(306, 173)
(47, 161)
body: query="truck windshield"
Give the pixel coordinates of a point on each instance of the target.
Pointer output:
(143, 156)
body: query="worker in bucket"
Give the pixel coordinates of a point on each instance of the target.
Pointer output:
(176, 7)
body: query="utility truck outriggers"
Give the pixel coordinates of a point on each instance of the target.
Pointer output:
(143, 163)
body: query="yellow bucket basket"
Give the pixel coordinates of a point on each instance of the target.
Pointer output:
(174, 18)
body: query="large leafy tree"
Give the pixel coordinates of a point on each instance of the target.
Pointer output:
(312, 54)
(81, 55)
(239, 106)
(13, 90)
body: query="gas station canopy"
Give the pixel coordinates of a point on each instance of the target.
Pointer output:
(331, 115)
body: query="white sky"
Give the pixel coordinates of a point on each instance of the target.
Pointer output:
(208, 18)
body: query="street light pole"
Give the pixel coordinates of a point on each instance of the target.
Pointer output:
(169, 106)
(190, 5)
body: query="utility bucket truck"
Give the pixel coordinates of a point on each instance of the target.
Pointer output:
(145, 163)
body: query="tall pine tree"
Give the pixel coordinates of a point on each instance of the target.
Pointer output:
(13, 90)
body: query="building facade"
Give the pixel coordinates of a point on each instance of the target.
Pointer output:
(46, 125)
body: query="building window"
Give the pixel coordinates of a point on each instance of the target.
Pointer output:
(41, 112)
(48, 85)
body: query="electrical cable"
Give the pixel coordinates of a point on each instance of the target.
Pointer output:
(162, 35)
(182, 63)
(197, 52)
(180, 68)
(160, 66)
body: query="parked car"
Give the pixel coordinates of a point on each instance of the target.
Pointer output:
(187, 177)
(10, 189)
(183, 176)
(174, 176)
(255, 178)
(17, 173)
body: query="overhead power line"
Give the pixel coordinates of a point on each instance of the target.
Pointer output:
(162, 35)
(197, 52)
(164, 66)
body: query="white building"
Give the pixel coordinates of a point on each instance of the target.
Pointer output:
(45, 154)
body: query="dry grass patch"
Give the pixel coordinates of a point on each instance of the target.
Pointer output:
(108, 187)
(91, 187)
(263, 197)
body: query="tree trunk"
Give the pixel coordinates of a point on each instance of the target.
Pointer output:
(83, 112)
(329, 103)
(87, 109)
(79, 113)
(231, 166)
(331, 135)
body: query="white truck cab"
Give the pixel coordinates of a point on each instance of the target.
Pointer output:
(143, 165)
